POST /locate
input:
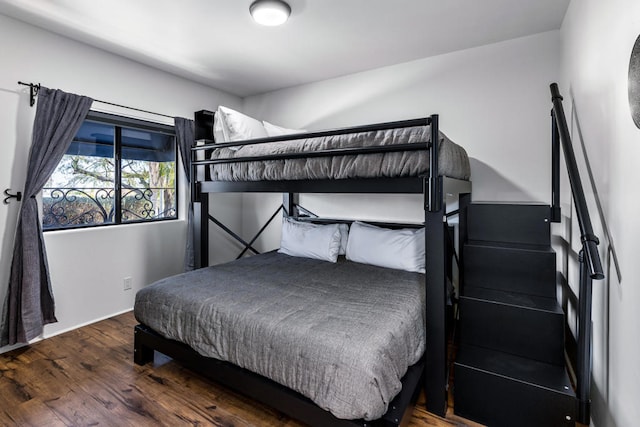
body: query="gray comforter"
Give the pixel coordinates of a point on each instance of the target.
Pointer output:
(341, 334)
(453, 159)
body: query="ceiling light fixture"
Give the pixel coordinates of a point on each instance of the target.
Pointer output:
(270, 12)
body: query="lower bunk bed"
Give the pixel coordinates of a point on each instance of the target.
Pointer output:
(341, 335)
(328, 343)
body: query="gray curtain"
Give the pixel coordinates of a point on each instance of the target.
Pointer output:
(185, 139)
(29, 301)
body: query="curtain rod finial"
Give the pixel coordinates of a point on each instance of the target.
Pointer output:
(33, 91)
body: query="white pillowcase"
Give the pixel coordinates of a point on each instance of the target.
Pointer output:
(236, 126)
(399, 249)
(273, 130)
(308, 240)
(218, 131)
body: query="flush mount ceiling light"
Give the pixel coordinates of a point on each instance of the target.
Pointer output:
(270, 12)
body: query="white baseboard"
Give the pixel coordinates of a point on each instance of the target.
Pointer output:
(45, 336)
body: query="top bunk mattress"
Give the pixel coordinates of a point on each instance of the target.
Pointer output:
(453, 159)
(343, 334)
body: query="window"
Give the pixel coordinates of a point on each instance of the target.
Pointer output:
(117, 170)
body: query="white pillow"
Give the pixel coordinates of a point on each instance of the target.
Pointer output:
(239, 127)
(273, 130)
(218, 129)
(308, 240)
(399, 249)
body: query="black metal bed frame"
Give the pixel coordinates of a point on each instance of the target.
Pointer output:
(432, 370)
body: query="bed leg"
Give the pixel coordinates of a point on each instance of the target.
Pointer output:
(201, 230)
(141, 353)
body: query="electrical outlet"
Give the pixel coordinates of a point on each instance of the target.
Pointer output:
(127, 283)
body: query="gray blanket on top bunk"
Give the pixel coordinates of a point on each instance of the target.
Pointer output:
(453, 159)
(341, 334)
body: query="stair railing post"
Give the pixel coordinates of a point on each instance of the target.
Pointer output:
(589, 258)
(584, 341)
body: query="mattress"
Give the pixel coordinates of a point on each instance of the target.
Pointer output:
(342, 334)
(453, 159)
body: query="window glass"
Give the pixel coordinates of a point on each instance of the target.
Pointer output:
(113, 174)
(148, 175)
(81, 191)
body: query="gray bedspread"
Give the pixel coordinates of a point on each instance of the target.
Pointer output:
(341, 334)
(453, 159)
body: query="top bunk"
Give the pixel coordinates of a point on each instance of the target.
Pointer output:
(391, 157)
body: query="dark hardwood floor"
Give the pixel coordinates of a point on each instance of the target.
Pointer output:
(87, 377)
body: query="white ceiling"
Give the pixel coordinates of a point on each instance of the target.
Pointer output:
(215, 42)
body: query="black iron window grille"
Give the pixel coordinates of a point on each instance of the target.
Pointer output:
(117, 170)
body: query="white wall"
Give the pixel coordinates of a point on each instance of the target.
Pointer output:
(492, 100)
(88, 266)
(597, 41)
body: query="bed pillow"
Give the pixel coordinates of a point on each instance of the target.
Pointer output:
(218, 130)
(239, 127)
(303, 239)
(273, 130)
(399, 249)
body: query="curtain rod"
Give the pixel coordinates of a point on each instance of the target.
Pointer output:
(34, 88)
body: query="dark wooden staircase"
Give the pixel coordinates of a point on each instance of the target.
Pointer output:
(510, 364)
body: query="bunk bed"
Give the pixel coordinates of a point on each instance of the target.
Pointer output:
(406, 157)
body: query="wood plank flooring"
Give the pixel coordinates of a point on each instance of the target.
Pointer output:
(87, 377)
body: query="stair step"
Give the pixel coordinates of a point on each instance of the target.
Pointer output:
(529, 269)
(519, 324)
(499, 389)
(516, 299)
(509, 223)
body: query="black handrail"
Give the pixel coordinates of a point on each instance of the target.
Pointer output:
(589, 258)
(589, 240)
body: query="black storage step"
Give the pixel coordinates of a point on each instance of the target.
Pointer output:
(529, 269)
(499, 389)
(509, 223)
(519, 324)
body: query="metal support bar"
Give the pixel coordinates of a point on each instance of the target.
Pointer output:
(305, 212)
(584, 341)
(435, 383)
(452, 213)
(416, 146)
(290, 204)
(341, 131)
(232, 234)
(201, 230)
(194, 184)
(260, 232)
(435, 181)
